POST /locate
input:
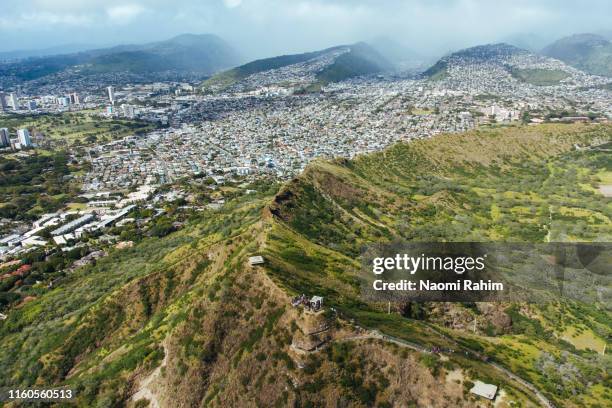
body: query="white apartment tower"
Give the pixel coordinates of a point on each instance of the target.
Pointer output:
(14, 102)
(24, 137)
(111, 94)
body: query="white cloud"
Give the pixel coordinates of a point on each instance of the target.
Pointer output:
(232, 3)
(42, 19)
(58, 6)
(268, 27)
(124, 13)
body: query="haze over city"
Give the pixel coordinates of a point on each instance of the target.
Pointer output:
(259, 28)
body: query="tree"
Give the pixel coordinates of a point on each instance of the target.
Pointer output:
(413, 310)
(525, 117)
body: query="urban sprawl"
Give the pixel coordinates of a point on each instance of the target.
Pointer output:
(266, 126)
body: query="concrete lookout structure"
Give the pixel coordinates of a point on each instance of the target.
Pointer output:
(256, 260)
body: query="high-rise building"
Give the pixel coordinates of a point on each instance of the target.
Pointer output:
(31, 105)
(14, 102)
(23, 135)
(111, 94)
(63, 101)
(3, 106)
(75, 99)
(128, 111)
(4, 137)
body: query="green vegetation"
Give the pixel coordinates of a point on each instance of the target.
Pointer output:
(118, 303)
(359, 59)
(187, 53)
(588, 52)
(234, 75)
(438, 71)
(39, 180)
(518, 184)
(538, 76)
(40, 67)
(34, 185)
(505, 191)
(74, 128)
(189, 293)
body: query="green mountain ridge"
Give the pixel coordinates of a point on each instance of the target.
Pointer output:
(193, 53)
(358, 59)
(498, 54)
(203, 54)
(476, 54)
(588, 52)
(184, 320)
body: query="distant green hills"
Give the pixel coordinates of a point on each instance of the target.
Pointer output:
(188, 52)
(498, 54)
(346, 61)
(202, 54)
(588, 52)
(207, 54)
(480, 53)
(362, 59)
(9, 56)
(236, 74)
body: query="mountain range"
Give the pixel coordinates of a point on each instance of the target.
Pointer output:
(312, 68)
(588, 52)
(207, 55)
(202, 54)
(501, 63)
(11, 56)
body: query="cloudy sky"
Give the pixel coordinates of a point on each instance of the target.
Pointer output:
(269, 27)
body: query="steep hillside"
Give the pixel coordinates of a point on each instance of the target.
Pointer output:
(185, 321)
(329, 65)
(588, 52)
(490, 53)
(203, 54)
(360, 60)
(523, 184)
(261, 65)
(494, 63)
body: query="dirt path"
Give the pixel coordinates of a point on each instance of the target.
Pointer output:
(375, 334)
(606, 190)
(147, 385)
(550, 219)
